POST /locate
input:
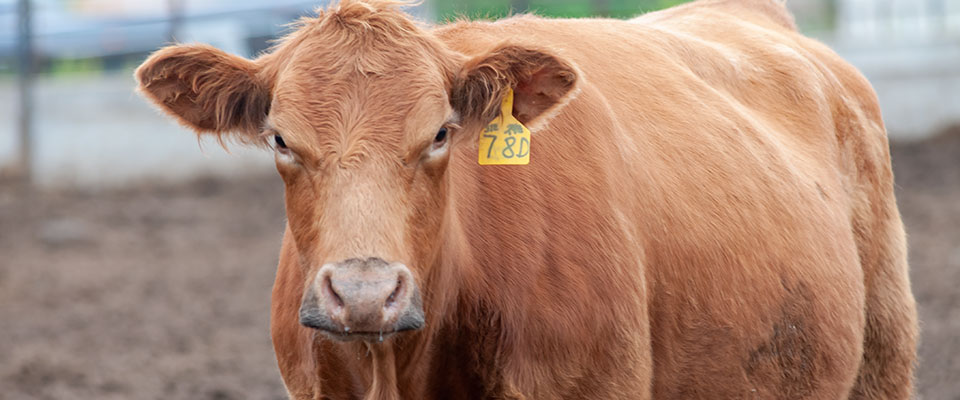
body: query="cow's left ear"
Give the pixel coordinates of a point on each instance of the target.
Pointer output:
(542, 82)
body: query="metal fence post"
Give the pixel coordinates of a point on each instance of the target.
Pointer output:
(25, 75)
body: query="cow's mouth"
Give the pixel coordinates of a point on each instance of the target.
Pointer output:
(373, 337)
(311, 318)
(345, 335)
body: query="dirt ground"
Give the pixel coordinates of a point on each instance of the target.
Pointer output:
(162, 292)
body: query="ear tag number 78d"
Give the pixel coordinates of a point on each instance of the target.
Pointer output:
(505, 141)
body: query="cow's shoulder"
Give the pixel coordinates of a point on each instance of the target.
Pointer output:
(471, 37)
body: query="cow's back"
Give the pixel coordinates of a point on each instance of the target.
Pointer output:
(743, 156)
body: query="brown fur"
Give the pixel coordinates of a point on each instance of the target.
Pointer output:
(708, 212)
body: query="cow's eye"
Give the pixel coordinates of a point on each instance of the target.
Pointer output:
(441, 137)
(279, 141)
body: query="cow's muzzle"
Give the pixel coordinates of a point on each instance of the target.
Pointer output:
(362, 299)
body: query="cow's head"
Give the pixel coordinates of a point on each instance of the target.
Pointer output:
(363, 110)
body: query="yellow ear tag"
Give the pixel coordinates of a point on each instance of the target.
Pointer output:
(505, 141)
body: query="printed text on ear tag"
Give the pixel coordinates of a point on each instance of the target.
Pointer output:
(505, 141)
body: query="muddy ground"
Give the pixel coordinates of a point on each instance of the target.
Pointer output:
(162, 292)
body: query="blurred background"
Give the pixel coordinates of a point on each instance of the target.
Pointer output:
(136, 262)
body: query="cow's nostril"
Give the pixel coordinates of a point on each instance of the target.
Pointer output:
(358, 298)
(393, 296)
(331, 293)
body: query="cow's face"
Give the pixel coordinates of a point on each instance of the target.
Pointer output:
(362, 139)
(363, 111)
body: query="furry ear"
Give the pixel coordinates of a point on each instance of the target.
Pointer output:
(541, 81)
(207, 89)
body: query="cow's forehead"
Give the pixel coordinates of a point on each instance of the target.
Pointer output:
(341, 102)
(334, 67)
(342, 116)
(351, 73)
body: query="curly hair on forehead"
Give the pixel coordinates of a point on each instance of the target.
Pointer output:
(372, 35)
(383, 18)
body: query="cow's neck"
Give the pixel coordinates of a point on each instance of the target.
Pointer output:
(389, 370)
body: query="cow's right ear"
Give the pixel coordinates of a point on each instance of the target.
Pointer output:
(207, 90)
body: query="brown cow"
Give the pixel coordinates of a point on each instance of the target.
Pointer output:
(708, 211)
